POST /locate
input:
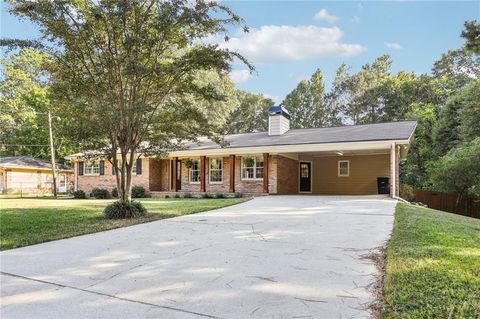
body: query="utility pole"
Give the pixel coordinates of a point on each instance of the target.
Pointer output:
(52, 151)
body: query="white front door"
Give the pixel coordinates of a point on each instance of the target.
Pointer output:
(62, 183)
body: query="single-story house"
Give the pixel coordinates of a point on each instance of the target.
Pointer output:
(28, 175)
(345, 160)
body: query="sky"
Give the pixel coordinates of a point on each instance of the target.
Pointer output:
(289, 40)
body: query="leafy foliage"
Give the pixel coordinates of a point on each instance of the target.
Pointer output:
(122, 209)
(99, 193)
(250, 113)
(139, 192)
(79, 194)
(306, 103)
(131, 73)
(459, 170)
(471, 33)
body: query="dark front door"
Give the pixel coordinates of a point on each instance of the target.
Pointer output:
(305, 177)
(179, 175)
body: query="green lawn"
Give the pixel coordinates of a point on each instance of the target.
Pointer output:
(433, 265)
(30, 221)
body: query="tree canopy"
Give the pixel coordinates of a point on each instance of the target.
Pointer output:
(127, 72)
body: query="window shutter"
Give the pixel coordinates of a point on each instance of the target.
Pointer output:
(80, 168)
(102, 167)
(113, 169)
(139, 167)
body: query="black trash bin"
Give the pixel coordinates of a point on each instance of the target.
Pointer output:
(383, 185)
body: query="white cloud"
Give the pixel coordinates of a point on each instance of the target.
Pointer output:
(325, 16)
(274, 43)
(240, 76)
(393, 45)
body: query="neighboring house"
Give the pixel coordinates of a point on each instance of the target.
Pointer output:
(342, 160)
(28, 175)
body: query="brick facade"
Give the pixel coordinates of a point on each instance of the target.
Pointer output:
(86, 183)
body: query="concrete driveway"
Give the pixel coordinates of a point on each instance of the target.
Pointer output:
(271, 257)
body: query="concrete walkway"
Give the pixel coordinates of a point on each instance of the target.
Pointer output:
(271, 257)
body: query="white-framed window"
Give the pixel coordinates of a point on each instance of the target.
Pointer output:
(194, 172)
(91, 168)
(215, 174)
(343, 168)
(253, 170)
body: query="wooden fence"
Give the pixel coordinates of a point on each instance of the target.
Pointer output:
(448, 202)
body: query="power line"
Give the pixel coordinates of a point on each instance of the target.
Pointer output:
(42, 145)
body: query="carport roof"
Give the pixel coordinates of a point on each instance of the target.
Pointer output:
(401, 130)
(27, 162)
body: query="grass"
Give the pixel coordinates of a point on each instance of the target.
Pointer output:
(433, 265)
(31, 221)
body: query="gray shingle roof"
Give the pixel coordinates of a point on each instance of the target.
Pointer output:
(401, 130)
(30, 162)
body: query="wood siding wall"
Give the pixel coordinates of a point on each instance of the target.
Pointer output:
(362, 179)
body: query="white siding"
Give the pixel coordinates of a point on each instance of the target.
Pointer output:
(278, 124)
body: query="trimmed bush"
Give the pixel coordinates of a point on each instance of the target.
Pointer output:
(167, 196)
(121, 209)
(139, 192)
(79, 194)
(176, 196)
(99, 193)
(207, 195)
(220, 195)
(238, 195)
(115, 193)
(407, 192)
(187, 195)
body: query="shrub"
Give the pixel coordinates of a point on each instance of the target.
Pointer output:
(187, 195)
(406, 192)
(99, 193)
(79, 194)
(115, 192)
(167, 196)
(238, 195)
(121, 209)
(220, 195)
(207, 195)
(177, 196)
(139, 192)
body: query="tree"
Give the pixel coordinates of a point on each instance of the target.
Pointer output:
(470, 111)
(413, 170)
(124, 69)
(458, 171)
(306, 103)
(338, 97)
(25, 100)
(250, 113)
(471, 34)
(457, 68)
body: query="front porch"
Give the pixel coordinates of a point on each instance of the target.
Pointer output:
(338, 172)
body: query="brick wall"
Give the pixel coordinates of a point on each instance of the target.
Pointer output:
(108, 181)
(287, 176)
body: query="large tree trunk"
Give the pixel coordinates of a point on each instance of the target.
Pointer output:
(123, 174)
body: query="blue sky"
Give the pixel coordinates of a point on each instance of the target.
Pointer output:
(290, 39)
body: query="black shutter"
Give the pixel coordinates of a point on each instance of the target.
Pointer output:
(80, 168)
(113, 169)
(102, 167)
(139, 167)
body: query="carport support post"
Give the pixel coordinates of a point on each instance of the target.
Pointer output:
(174, 174)
(393, 170)
(232, 174)
(265, 172)
(203, 171)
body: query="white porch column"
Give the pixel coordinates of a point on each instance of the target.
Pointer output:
(393, 170)
(75, 175)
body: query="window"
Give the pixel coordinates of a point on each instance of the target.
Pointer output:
(194, 172)
(343, 168)
(252, 168)
(91, 168)
(119, 163)
(216, 171)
